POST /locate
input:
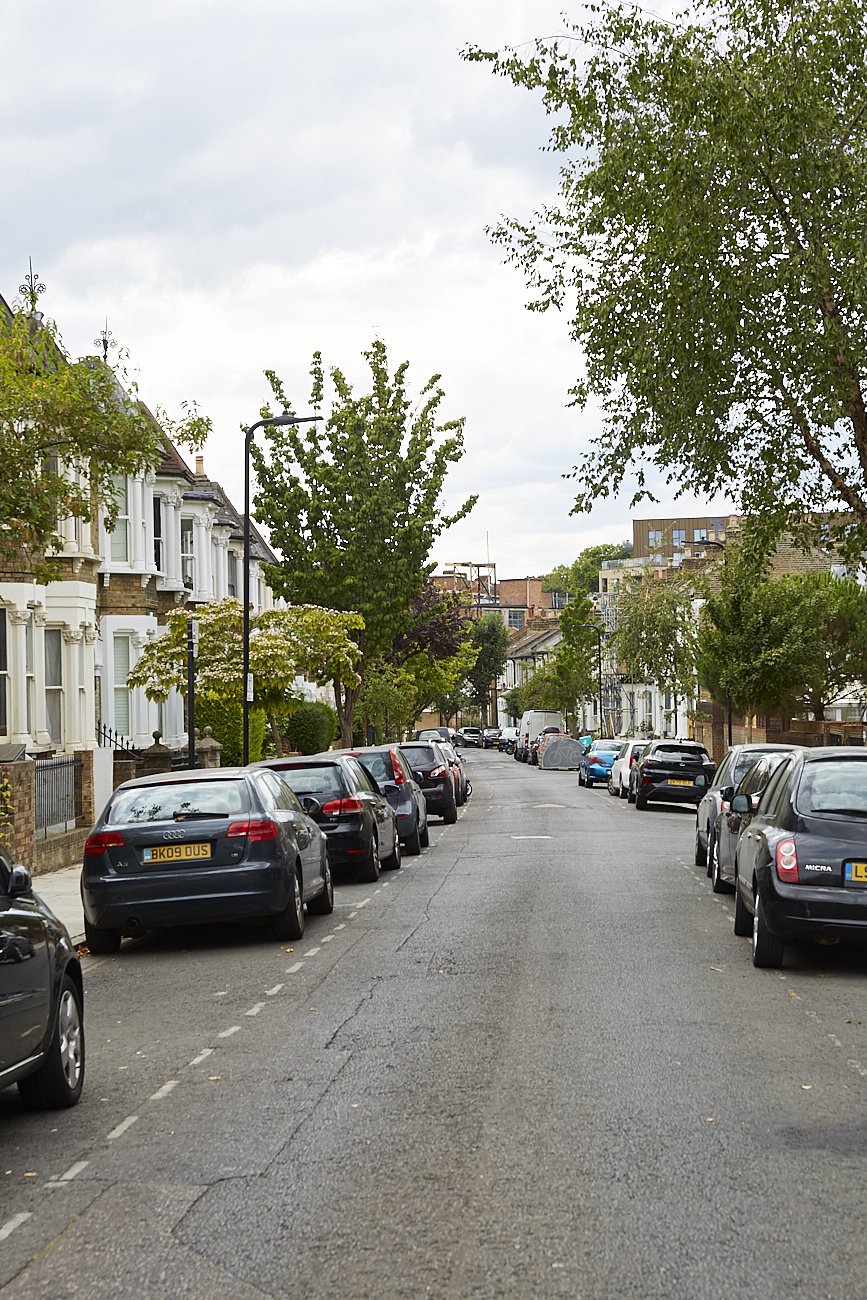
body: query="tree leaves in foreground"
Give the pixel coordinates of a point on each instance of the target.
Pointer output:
(353, 505)
(655, 633)
(707, 245)
(66, 429)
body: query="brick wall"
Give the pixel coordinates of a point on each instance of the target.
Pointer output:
(22, 834)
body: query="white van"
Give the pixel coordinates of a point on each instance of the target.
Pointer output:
(533, 722)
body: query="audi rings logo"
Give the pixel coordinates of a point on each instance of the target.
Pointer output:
(173, 835)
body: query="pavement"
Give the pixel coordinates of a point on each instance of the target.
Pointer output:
(60, 890)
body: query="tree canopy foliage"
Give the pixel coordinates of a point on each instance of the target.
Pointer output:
(66, 429)
(490, 638)
(353, 504)
(707, 245)
(656, 632)
(283, 643)
(796, 642)
(582, 576)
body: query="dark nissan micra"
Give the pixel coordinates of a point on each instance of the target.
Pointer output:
(41, 998)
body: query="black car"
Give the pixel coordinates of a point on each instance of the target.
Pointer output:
(348, 805)
(672, 771)
(491, 738)
(731, 771)
(730, 824)
(801, 864)
(393, 774)
(41, 997)
(179, 848)
(431, 769)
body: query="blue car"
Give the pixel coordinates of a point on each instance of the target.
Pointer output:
(595, 765)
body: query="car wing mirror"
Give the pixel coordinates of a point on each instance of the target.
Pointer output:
(20, 881)
(389, 787)
(309, 804)
(727, 793)
(741, 804)
(701, 780)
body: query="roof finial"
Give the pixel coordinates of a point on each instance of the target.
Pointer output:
(105, 340)
(32, 287)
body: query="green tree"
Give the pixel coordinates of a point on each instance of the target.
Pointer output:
(353, 505)
(490, 637)
(798, 641)
(283, 643)
(310, 728)
(656, 632)
(707, 245)
(67, 428)
(581, 577)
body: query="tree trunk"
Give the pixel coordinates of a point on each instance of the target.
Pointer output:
(345, 699)
(275, 732)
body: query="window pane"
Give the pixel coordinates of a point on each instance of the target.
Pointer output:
(121, 660)
(53, 657)
(54, 714)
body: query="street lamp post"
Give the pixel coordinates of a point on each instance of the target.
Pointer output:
(246, 675)
(593, 628)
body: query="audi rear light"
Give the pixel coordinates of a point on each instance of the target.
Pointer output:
(787, 862)
(255, 828)
(102, 840)
(399, 778)
(337, 807)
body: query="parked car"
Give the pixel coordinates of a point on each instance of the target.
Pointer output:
(179, 848)
(730, 825)
(731, 771)
(462, 786)
(435, 733)
(346, 803)
(392, 773)
(41, 997)
(490, 737)
(595, 763)
(506, 739)
(672, 771)
(618, 778)
(471, 736)
(432, 770)
(801, 864)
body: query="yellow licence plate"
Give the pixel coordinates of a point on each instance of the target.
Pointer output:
(177, 853)
(856, 873)
(674, 780)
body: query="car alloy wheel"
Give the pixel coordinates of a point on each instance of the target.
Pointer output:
(59, 1080)
(717, 884)
(323, 904)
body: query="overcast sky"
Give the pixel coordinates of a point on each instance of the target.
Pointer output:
(237, 185)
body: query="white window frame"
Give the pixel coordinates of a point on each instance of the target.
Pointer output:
(118, 538)
(121, 662)
(54, 702)
(188, 557)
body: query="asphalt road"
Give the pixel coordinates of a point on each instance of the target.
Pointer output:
(533, 1062)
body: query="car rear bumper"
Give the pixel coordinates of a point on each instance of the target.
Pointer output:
(672, 793)
(810, 912)
(439, 796)
(142, 900)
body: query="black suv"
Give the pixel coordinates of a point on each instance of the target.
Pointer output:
(392, 773)
(41, 998)
(673, 771)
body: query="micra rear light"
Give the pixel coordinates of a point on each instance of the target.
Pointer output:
(257, 828)
(102, 840)
(399, 778)
(787, 862)
(437, 771)
(336, 807)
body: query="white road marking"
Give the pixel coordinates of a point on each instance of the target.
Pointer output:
(326, 938)
(311, 952)
(202, 1056)
(353, 915)
(121, 1128)
(363, 903)
(227, 1033)
(11, 1224)
(547, 805)
(254, 1010)
(270, 993)
(290, 970)
(341, 926)
(531, 837)
(835, 1040)
(164, 1090)
(71, 1173)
